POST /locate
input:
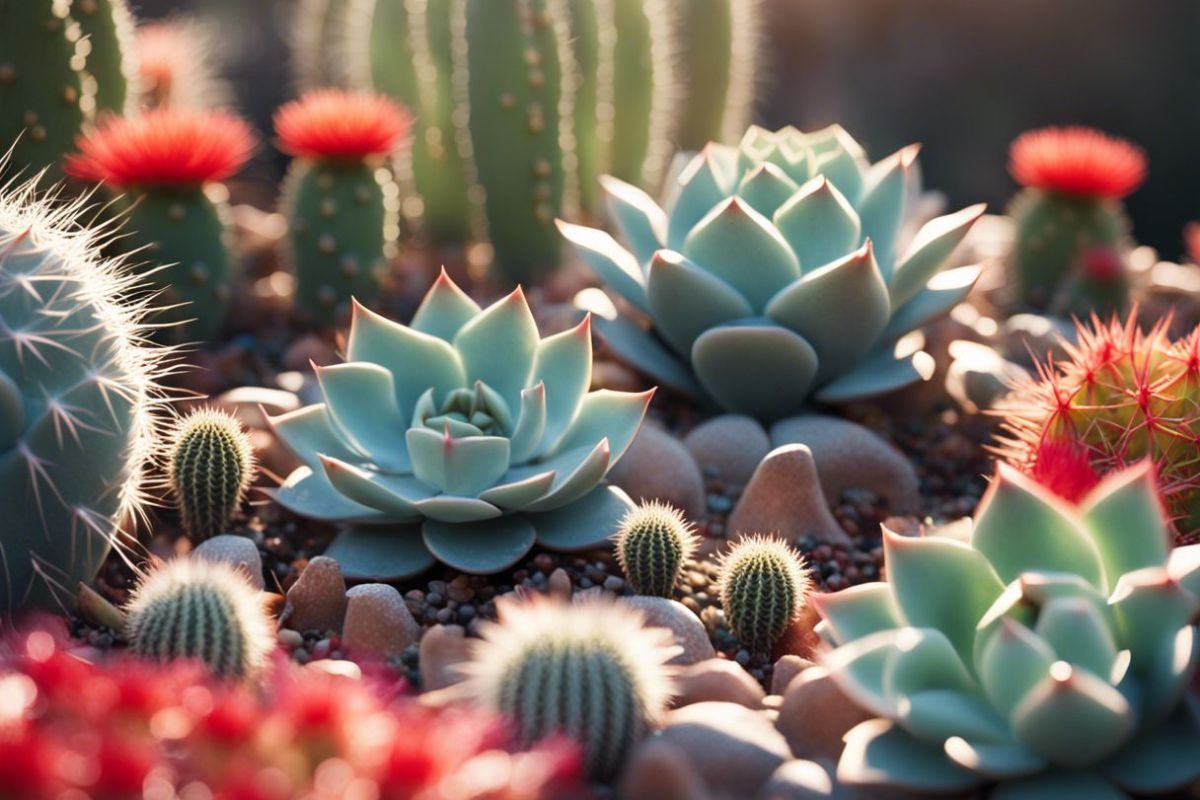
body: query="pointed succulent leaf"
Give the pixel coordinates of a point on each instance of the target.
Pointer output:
(1169, 672)
(941, 294)
(879, 752)
(924, 660)
(882, 206)
(1161, 759)
(858, 668)
(463, 466)
(308, 432)
(480, 548)
(1000, 761)
(879, 373)
(743, 248)
(819, 224)
(765, 188)
(616, 267)
(519, 493)
(936, 715)
(585, 524)
(646, 353)
(1184, 566)
(452, 508)
(563, 363)
(395, 495)
(380, 552)
(1060, 785)
(859, 610)
(1011, 662)
(309, 493)
(417, 361)
(925, 571)
(1079, 634)
(571, 484)
(815, 307)
(445, 309)
(1150, 607)
(687, 301)
(1125, 518)
(929, 251)
(844, 165)
(642, 224)
(531, 425)
(498, 346)
(704, 183)
(605, 414)
(1073, 718)
(360, 399)
(1021, 526)
(761, 370)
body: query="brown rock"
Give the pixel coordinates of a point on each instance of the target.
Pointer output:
(686, 627)
(800, 639)
(443, 648)
(800, 780)
(239, 551)
(816, 714)
(786, 670)
(784, 497)
(732, 749)
(717, 679)
(378, 624)
(658, 467)
(317, 600)
(731, 444)
(247, 403)
(849, 456)
(658, 771)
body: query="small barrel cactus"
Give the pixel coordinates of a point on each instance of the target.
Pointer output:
(211, 464)
(198, 609)
(1072, 237)
(589, 670)
(163, 160)
(79, 401)
(764, 585)
(1121, 394)
(653, 542)
(341, 204)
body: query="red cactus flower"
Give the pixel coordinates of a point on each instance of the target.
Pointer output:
(1065, 469)
(341, 125)
(164, 147)
(1077, 161)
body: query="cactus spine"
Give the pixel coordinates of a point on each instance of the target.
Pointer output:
(589, 670)
(107, 27)
(764, 584)
(718, 40)
(203, 610)
(211, 466)
(78, 401)
(653, 542)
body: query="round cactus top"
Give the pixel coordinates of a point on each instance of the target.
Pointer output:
(1077, 161)
(337, 124)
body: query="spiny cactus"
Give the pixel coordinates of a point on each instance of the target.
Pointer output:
(165, 160)
(589, 670)
(106, 28)
(1072, 236)
(204, 610)
(1121, 394)
(764, 585)
(210, 466)
(319, 45)
(79, 400)
(717, 48)
(653, 542)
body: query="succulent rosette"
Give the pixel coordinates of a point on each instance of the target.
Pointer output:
(776, 271)
(1047, 650)
(464, 437)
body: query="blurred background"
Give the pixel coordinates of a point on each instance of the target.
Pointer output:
(962, 77)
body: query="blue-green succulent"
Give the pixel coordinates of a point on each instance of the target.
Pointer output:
(776, 271)
(464, 438)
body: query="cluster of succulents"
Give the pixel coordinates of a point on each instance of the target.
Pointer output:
(1047, 650)
(74, 727)
(770, 242)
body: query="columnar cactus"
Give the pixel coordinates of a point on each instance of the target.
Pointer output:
(644, 99)
(107, 29)
(770, 243)
(192, 608)
(468, 425)
(717, 48)
(163, 160)
(319, 43)
(653, 543)
(1048, 650)
(78, 401)
(1072, 237)
(1119, 395)
(589, 670)
(210, 467)
(341, 203)
(764, 586)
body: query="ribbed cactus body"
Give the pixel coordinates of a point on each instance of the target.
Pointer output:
(108, 28)
(77, 399)
(185, 232)
(644, 92)
(717, 45)
(319, 49)
(211, 466)
(764, 585)
(1056, 234)
(40, 87)
(592, 76)
(340, 226)
(202, 610)
(653, 543)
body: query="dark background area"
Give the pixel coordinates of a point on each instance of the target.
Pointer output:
(963, 77)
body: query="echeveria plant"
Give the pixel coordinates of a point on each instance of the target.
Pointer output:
(1049, 649)
(775, 271)
(466, 429)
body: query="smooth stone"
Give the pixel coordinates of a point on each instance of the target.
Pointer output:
(816, 714)
(732, 444)
(784, 497)
(378, 624)
(559, 584)
(800, 638)
(443, 648)
(658, 467)
(1041, 336)
(247, 403)
(717, 679)
(731, 748)
(239, 551)
(800, 780)
(978, 376)
(686, 627)
(317, 600)
(658, 771)
(849, 456)
(786, 669)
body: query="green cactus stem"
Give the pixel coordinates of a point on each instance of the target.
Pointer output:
(319, 49)
(764, 586)
(210, 468)
(644, 92)
(108, 28)
(717, 41)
